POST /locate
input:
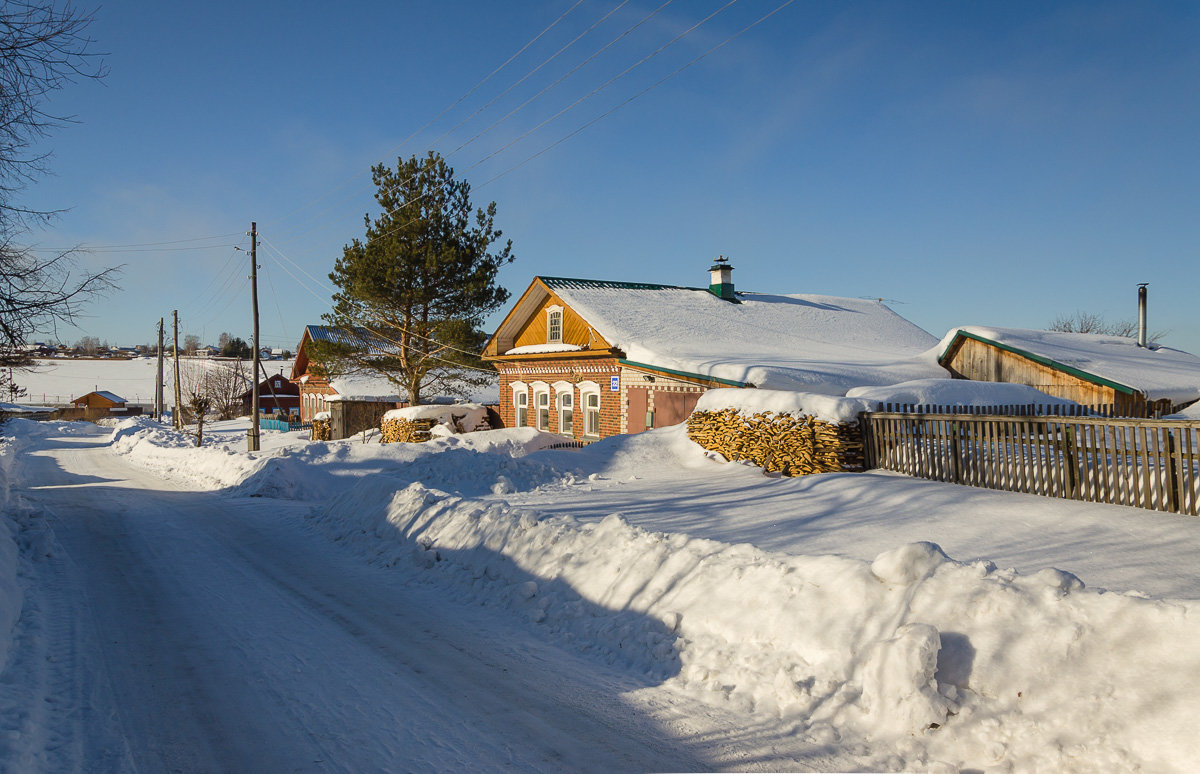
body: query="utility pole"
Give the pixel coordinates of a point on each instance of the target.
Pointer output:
(177, 415)
(158, 383)
(252, 433)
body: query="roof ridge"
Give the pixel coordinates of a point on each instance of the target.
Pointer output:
(614, 284)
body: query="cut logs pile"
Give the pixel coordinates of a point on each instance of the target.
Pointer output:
(406, 430)
(792, 445)
(321, 431)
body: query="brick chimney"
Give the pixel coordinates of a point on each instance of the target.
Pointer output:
(720, 282)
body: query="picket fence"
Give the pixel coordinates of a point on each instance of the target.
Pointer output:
(1146, 463)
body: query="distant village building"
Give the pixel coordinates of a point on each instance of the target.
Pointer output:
(276, 395)
(1088, 368)
(100, 399)
(593, 358)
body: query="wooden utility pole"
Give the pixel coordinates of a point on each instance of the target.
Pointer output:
(252, 433)
(158, 383)
(177, 415)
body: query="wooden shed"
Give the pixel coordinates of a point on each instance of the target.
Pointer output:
(1090, 369)
(100, 399)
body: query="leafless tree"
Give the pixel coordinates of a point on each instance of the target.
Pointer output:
(42, 48)
(1087, 322)
(227, 383)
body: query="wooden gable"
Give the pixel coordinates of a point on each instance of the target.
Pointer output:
(526, 324)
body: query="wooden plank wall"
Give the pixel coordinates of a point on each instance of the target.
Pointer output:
(1145, 463)
(983, 362)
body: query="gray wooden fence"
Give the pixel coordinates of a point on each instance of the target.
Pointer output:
(1147, 463)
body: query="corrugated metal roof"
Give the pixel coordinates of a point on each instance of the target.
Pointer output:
(572, 283)
(357, 337)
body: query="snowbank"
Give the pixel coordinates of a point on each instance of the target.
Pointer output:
(750, 401)
(957, 392)
(469, 415)
(942, 663)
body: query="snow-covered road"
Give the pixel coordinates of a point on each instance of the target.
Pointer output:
(175, 630)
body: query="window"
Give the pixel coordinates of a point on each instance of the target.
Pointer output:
(566, 406)
(554, 325)
(591, 414)
(543, 410)
(521, 402)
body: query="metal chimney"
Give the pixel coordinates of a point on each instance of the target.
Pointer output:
(1141, 340)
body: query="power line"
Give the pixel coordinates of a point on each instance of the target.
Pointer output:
(639, 94)
(445, 110)
(581, 100)
(379, 318)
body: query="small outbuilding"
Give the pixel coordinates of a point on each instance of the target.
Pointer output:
(1090, 369)
(100, 399)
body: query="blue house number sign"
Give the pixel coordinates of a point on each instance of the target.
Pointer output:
(614, 384)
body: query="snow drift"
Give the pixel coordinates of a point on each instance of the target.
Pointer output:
(959, 663)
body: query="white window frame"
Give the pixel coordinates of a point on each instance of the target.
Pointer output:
(541, 390)
(586, 391)
(551, 311)
(520, 390)
(564, 404)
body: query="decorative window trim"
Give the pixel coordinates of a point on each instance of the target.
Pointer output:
(541, 421)
(562, 386)
(561, 398)
(551, 337)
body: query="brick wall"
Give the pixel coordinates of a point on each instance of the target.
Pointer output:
(574, 371)
(614, 405)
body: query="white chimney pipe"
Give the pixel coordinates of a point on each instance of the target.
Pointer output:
(1141, 339)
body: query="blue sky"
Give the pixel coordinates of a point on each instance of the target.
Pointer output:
(970, 163)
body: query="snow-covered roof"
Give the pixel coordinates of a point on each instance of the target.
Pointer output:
(112, 396)
(957, 392)
(366, 387)
(811, 343)
(1155, 371)
(537, 349)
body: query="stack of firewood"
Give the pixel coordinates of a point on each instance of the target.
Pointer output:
(406, 430)
(792, 445)
(321, 430)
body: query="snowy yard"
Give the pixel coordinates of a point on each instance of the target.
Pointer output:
(710, 617)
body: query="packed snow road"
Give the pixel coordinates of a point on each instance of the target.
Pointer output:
(174, 630)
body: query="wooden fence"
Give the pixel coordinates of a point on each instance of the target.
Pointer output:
(1145, 463)
(1012, 410)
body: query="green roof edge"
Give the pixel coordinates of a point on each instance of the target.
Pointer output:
(616, 283)
(673, 372)
(1046, 361)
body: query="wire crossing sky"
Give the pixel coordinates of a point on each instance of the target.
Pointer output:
(987, 163)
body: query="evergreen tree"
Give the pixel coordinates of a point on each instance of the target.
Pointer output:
(417, 289)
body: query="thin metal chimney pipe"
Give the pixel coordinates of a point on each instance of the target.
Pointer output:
(1141, 340)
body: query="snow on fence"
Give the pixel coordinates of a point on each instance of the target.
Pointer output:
(1145, 463)
(1009, 410)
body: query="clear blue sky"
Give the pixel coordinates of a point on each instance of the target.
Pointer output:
(971, 163)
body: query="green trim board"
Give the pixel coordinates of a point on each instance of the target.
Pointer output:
(1041, 359)
(685, 374)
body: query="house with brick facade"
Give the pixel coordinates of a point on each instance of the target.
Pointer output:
(594, 358)
(317, 390)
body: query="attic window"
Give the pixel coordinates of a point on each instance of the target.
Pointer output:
(554, 325)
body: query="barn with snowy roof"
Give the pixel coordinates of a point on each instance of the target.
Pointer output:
(318, 390)
(100, 399)
(1088, 368)
(593, 358)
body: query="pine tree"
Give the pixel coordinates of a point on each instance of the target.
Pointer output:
(418, 287)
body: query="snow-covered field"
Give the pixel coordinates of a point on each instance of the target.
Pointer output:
(882, 622)
(58, 381)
